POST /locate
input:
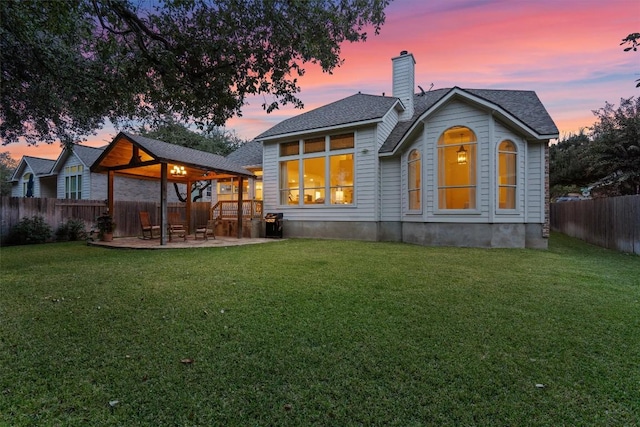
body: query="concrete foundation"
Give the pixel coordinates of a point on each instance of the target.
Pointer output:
(501, 235)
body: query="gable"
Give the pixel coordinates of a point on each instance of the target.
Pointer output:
(518, 109)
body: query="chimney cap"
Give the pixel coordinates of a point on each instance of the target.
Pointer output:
(404, 52)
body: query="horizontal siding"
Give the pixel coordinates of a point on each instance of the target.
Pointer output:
(535, 189)
(391, 189)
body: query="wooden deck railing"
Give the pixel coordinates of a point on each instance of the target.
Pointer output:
(228, 210)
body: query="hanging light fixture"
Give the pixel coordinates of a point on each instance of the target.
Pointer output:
(462, 153)
(178, 171)
(462, 156)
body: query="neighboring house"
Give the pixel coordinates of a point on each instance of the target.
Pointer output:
(32, 178)
(249, 156)
(460, 167)
(69, 177)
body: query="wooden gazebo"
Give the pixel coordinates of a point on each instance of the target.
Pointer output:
(144, 158)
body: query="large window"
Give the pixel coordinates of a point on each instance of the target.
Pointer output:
(414, 176)
(507, 179)
(73, 182)
(317, 171)
(457, 169)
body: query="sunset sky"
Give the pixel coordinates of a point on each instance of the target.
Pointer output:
(567, 51)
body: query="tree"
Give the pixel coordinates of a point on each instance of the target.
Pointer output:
(217, 141)
(632, 41)
(7, 167)
(615, 151)
(68, 64)
(569, 164)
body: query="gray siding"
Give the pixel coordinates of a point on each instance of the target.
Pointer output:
(390, 189)
(535, 180)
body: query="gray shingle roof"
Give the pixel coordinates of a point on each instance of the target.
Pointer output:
(166, 152)
(353, 109)
(38, 165)
(248, 154)
(524, 106)
(88, 155)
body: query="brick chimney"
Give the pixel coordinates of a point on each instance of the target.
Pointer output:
(404, 82)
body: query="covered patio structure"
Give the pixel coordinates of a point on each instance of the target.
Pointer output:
(139, 157)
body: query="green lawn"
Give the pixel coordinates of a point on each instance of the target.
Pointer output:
(309, 332)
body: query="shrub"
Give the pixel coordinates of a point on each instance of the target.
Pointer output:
(30, 230)
(73, 229)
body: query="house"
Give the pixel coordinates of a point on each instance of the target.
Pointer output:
(70, 177)
(459, 167)
(32, 178)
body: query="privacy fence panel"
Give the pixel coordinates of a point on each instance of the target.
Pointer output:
(58, 211)
(612, 223)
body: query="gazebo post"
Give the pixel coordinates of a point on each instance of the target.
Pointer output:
(188, 208)
(240, 197)
(110, 175)
(163, 203)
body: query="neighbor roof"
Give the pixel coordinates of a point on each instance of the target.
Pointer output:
(351, 110)
(38, 166)
(87, 155)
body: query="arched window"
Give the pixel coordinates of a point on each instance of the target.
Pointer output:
(415, 180)
(457, 168)
(507, 179)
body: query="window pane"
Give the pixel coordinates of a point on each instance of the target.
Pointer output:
(314, 145)
(457, 174)
(341, 179)
(414, 180)
(289, 148)
(289, 182)
(414, 199)
(507, 198)
(314, 179)
(457, 198)
(339, 142)
(507, 169)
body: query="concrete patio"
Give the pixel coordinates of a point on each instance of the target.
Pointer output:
(178, 243)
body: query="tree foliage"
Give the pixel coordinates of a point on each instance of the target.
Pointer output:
(217, 140)
(607, 159)
(7, 166)
(569, 161)
(68, 64)
(615, 150)
(632, 41)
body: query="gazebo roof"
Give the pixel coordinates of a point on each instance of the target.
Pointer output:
(142, 157)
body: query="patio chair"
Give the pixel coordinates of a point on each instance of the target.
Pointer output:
(147, 227)
(176, 226)
(206, 230)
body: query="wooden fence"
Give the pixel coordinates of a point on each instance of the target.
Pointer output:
(58, 211)
(612, 223)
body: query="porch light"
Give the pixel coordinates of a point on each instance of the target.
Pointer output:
(178, 171)
(462, 156)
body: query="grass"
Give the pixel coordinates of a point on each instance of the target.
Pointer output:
(308, 332)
